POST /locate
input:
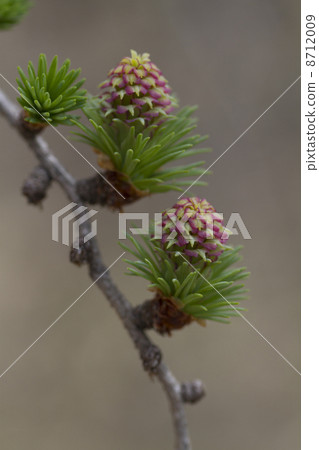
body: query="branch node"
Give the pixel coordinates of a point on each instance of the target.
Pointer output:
(193, 391)
(30, 129)
(80, 255)
(143, 315)
(161, 314)
(151, 357)
(99, 189)
(36, 185)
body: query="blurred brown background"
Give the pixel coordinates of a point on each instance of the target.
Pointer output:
(81, 386)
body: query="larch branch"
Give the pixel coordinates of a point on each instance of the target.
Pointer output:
(52, 169)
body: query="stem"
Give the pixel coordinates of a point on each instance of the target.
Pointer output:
(149, 353)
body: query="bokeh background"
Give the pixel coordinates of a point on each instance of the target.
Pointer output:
(81, 386)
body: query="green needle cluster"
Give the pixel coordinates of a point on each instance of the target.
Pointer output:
(12, 11)
(208, 291)
(48, 94)
(143, 155)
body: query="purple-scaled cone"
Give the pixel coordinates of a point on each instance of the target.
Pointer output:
(194, 228)
(136, 90)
